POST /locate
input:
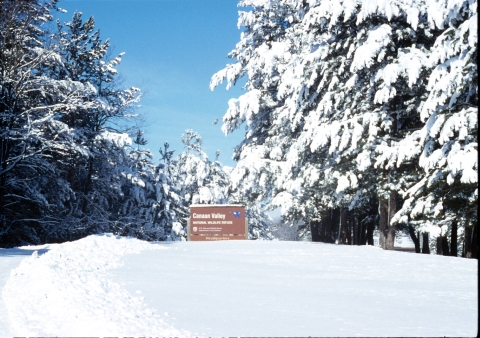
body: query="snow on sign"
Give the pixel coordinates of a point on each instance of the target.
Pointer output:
(217, 222)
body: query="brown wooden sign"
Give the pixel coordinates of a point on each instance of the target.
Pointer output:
(217, 223)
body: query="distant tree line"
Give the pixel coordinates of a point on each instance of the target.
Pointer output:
(72, 160)
(361, 119)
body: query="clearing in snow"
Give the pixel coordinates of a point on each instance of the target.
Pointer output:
(106, 285)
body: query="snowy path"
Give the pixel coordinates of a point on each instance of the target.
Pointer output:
(102, 285)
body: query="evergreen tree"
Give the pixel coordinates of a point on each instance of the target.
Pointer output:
(95, 167)
(196, 179)
(445, 199)
(169, 206)
(336, 105)
(63, 167)
(31, 193)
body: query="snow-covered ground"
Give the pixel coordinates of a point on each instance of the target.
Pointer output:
(104, 285)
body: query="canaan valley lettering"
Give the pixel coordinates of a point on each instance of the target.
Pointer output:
(209, 216)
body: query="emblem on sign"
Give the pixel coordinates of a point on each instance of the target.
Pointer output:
(195, 229)
(236, 214)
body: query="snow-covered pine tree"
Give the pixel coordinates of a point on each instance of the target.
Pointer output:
(445, 200)
(289, 97)
(31, 191)
(67, 170)
(361, 50)
(136, 214)
(201, 180)
(169, 209)
(147, 204)
(99, 151)
(197, 179)
(262, 54)
(333, 101)
(259, 222)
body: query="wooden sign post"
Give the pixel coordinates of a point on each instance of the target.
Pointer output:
(209, 222)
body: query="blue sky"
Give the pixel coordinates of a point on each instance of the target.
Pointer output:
(172, 48)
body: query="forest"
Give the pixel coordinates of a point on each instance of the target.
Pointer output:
(360, 118)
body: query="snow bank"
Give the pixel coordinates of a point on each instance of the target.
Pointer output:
(92, 287)
(66, 292)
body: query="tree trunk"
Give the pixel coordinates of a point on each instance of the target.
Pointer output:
(471, 238)
(383, 226)
(363, 235)
(343, 228)
(356, 231)
(475, 241)
(335, 219)
(467, 243)
(392, 210)
(439, 245)
(348, 228)
(445, 250)
(414, 238)
(454, 239)
(314, 231)
(321, 230)
(425, 244)
(468, 237)
(370, 229)
(327, 226)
